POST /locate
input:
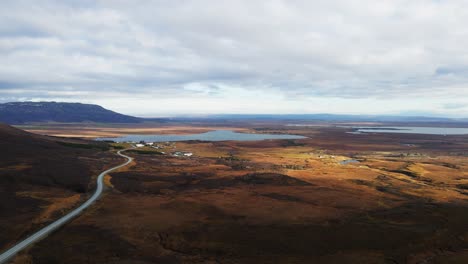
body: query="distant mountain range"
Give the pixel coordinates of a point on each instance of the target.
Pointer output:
(28, 112)
(335, 117)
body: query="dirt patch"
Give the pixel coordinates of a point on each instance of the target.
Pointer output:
(107, 181)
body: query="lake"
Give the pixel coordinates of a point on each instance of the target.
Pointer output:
(217, 135)
(413, 130)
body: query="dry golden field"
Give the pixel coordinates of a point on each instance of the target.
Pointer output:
(278, 201)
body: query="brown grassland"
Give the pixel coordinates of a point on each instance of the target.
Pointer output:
(91, 131)
(273, 201)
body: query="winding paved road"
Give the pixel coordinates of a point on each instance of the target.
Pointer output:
(5, 256)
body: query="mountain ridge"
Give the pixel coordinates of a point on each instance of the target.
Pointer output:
(29, 112)
(17, 113)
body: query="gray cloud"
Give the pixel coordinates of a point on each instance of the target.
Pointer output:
(455, 105)
(344, 49)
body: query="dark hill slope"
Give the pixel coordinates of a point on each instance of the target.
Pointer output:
(38, 171)
(26, 112)
(43, 160)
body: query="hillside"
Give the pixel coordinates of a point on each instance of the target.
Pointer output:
(27, 112)
(41, 176)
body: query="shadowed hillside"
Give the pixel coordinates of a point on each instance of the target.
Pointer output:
(42, 176)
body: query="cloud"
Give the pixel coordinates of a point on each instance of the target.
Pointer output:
(455, 105)
(295, 50)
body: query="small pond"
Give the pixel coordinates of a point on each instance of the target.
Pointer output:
(349, 161)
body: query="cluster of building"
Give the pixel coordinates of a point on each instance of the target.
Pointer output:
(182, 154)
(164, 146)
(154, 145)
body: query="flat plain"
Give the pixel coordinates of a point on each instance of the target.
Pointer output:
(402, 199)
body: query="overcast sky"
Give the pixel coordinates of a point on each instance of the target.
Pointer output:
(158, 58)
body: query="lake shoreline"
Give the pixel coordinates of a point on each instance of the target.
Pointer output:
(215, 135)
